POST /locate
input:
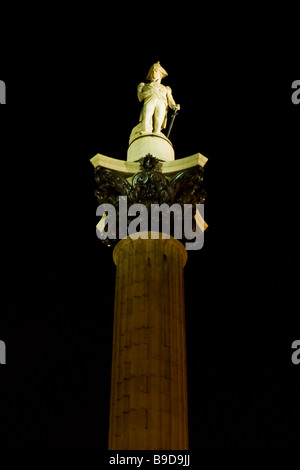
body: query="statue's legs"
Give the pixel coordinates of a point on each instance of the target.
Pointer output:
(153, 116)
(159, 116)
(148, 111)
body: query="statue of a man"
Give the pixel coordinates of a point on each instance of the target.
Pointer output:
(157, 98)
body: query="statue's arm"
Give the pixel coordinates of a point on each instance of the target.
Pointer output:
(140, 94)
(171, 101)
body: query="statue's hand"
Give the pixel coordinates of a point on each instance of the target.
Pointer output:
(177, 107)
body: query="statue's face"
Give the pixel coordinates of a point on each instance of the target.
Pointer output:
(155, 75)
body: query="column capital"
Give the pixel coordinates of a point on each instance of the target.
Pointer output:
(149, 181)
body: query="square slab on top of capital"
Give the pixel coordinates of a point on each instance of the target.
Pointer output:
(130, 168)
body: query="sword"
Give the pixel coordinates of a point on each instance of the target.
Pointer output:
(172, 121)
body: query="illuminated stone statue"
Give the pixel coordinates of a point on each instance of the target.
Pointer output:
(156, 100)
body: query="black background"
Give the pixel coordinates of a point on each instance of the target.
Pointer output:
(71, 93)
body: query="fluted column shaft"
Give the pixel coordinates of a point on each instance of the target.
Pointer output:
(148, 408)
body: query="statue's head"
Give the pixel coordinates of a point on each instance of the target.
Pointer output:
(156, 72)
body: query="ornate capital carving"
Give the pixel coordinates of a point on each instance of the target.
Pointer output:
(150, 186)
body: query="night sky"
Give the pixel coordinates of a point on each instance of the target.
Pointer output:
(241, 288)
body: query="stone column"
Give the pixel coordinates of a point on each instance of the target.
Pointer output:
(148, 408)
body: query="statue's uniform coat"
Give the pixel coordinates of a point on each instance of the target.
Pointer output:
(157, 98)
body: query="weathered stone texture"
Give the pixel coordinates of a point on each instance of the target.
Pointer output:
(148, 385)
